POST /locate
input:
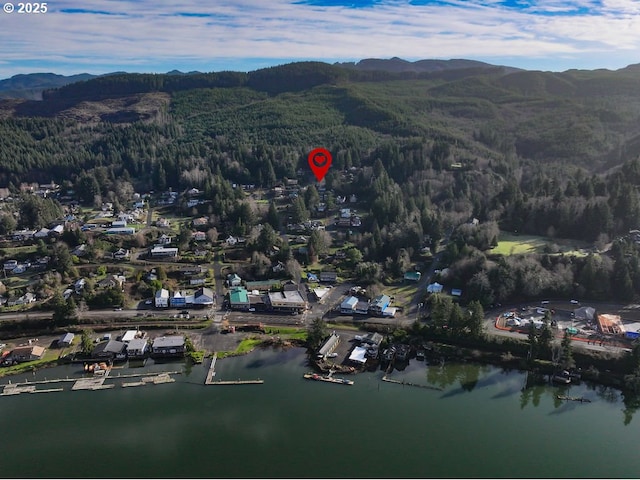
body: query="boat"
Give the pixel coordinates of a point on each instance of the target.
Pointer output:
(573, 399)
(327, 378)
(562, 377)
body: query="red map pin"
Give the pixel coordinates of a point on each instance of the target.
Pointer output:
(319, 161)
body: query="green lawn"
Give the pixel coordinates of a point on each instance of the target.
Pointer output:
(511, 244)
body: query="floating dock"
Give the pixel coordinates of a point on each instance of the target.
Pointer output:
(573, 399)
(212, 370)
(410, 384)
(237, 382)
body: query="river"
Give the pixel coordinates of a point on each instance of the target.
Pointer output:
(480, 425)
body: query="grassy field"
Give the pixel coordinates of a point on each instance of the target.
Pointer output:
(511, 244)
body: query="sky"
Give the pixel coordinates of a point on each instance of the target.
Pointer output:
(102, 36)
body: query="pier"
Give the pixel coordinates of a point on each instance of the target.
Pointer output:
(88, 383)
(410, 384)
(212, 373)
(212, 370)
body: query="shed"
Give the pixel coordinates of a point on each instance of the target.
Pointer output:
(66, 340)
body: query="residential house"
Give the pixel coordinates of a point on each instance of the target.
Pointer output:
(192, 270)
(80, 250)
(9, 265)
(412, 276)
(198, 280)
(201, 222)
(42, 233)
(278, 267)
(164, 239)
(26, 353)
(121, 254)
(456, 292)
(203, 297)
(162, 298)
(234, 280)
(348, 306)
(25, 299)
(79, 285)
(163, 223)
(231, 241)
(137, 348)
(109, 350)
(56, 231)
(328, 276)
(199, 236)
(434, 288)
(173, 345)
(112, 281)
(379, 303)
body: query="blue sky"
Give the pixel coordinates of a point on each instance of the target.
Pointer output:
(101, 36)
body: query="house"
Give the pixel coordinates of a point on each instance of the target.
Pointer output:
(137, 348)
(201, 222)
(192, 270)
(56, 231)
(328, 276)
(10, 264)
(163, 252)
(362, 308)
(238, 299)
(66, 340)
(379, 303)
(121, 254)
(434, 288)
(178, 299)
(163, 223)
(23, 234)
(109, 350)
(25, 299)
(130, 335)
(234, 280)
(162, 298)
(278, 267)
(112, 281)
(231, 241)
(42, 233)
(164, 239)
(80, 250)
(372, 339)
(172, 345)
(79, 284)
(456, 292)
(412, 276)
(320, 292)
(312, 277)
(198, 280)
(203, 297)
(348, 306)
(199, 236)
(26, 353)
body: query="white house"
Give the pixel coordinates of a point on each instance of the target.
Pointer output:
(162, 298)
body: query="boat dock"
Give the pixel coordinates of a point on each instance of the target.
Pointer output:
(573, 399)
(212, 373)
(88, 383)
(410, 384)
(212, 370)
(237, 382)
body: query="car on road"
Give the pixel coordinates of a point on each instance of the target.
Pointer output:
(148, 302)
(117, 309)
(332, 355)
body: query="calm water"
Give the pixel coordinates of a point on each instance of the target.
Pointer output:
(480, 425)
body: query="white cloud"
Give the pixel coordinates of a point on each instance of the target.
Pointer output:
(145, 33)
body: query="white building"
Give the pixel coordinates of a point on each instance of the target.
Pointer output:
(162, 298)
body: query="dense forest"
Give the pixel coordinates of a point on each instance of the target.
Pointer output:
(551, 154)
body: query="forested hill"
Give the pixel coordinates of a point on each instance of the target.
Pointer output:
(536, 151)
